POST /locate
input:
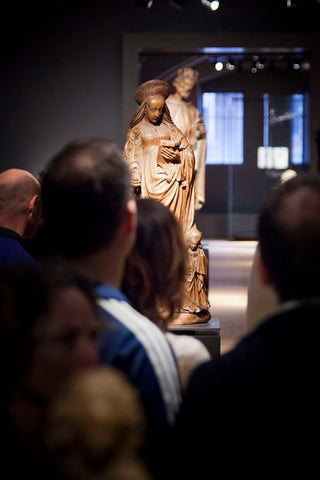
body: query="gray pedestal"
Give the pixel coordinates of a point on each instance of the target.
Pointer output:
(208, 333)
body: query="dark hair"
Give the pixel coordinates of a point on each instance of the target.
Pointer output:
(289, 237)
(154, 277)
(26, 293)
(85, 188)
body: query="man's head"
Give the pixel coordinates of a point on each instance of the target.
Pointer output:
(86, 190)
(20, 205)
(289, 238)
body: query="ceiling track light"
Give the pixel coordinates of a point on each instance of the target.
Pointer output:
(218, 66)
(212, 5)
(259, 65)
(230, 66)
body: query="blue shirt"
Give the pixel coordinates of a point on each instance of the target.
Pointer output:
(137, 347)
(11, 248)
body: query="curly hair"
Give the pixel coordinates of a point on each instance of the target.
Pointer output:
(186, 74)
(154, 275)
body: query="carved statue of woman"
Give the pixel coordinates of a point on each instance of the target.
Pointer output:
(162, 165)
(188, 119)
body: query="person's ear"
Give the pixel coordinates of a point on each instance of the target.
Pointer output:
(34, 216)
(261, 269)
(130, 221)
(34, 204)
(35, 208)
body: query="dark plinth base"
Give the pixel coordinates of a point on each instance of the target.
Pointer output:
(208, 333)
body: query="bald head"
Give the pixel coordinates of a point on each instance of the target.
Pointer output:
(289, 237)
(19, 201)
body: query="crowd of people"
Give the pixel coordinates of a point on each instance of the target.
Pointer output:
(96, 387)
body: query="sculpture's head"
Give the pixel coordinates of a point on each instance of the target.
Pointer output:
(151, 97)
(185, 81)
(155, 109)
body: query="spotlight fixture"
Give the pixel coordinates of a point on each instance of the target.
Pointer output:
(305, 65)
(218, 66)
(259, 65)
(230, 66)
(212, 5)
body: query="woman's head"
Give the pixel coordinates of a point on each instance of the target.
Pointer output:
(49, 321)
(155, 271)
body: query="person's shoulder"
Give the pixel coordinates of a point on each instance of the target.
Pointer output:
(12, 252)
(128, 325)
(186, 346)
(242, 360)
(139, 348)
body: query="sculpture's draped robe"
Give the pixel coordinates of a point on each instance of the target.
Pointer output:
(171, 183)
(191, 123)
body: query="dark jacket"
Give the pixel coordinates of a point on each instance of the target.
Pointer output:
(252, 410)
(12, 250)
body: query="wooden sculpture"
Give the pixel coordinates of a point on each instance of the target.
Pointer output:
(162, 165)
(189, 120)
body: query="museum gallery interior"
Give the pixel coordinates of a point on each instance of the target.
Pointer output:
(72, 70)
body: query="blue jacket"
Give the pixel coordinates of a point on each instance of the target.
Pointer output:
(141, 351)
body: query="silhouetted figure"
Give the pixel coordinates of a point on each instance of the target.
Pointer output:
(91, 216)
(259, 402)
(49, 321)
(154, 278)
(20, 211)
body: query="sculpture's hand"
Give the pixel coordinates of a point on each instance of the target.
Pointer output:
(170, 154)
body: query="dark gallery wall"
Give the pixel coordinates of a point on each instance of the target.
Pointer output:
(64, 71)
(62, 81)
